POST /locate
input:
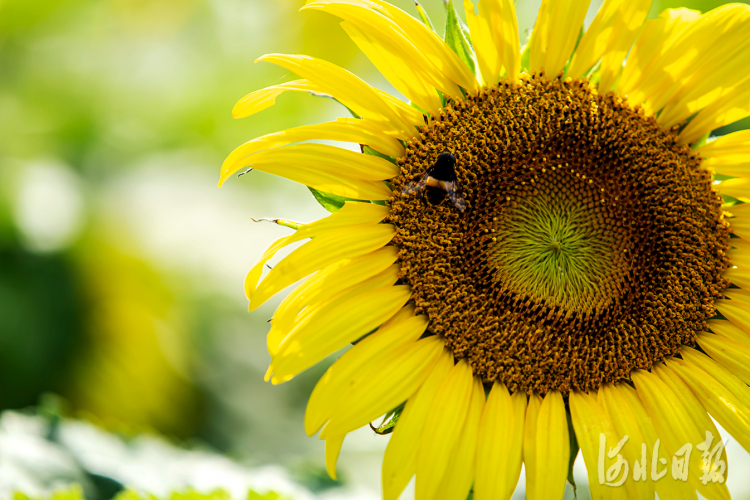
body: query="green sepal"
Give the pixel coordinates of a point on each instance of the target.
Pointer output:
(457, 39)
(595, 73)
(462, 24)
(567, 64)
(722, 177)
(702, 141)
(389, 421)
(329, 96)
(573, 451)
(525, 54)
(728, 200)
(330, 202)
(355, 115)
(423, 15)
(369, 151)
(333, 202)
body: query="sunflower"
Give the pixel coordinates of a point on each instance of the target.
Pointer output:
(542, 251)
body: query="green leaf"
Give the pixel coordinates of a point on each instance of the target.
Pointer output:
(423, 15)
(526, 52)
(573, 451)
(389, 421)
(330, 202)
(456, 38)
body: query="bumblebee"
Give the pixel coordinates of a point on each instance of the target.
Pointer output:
(438, 180)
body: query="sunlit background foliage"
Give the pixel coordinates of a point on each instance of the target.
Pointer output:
(121, 262)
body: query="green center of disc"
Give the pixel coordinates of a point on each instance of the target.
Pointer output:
(555, 245)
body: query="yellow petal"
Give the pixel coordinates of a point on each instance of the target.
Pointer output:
(729, 410)
(737, 295)
(333, 448)
(667, 487)
(730, 331)
(725, 377)
(733, 167)
(349, 371)
(394, 20)
(507, 38)
(351, 214)
(728, 154)
(335, 326)
(489, 55)
(347, 88)
(590, 422)
(731, 106)
(736, 312)
(529, 444)
(739, 244)
(547, 467)
(494, 35)
(311, 164)
(737, 188)
(436, 50)
(321, 251)
(400, 459)
(644, 70)
(739, 273)
(259, 100)
(457, 481)
(411, 114)
(733, 355)
(714, 72)
(386, 387)
(739, 224)
(609, 38)
(403, 73)
(555, 34)
(676, 64)
(500, 445)
(296, 330)
(343, 129)
(443, 426)
(626, 423)
(678, 422)
(390, 39)
(323, 285)
(697, 411)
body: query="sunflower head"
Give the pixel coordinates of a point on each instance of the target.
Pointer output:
(540, 250)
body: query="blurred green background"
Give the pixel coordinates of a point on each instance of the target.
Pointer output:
(121, 262)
